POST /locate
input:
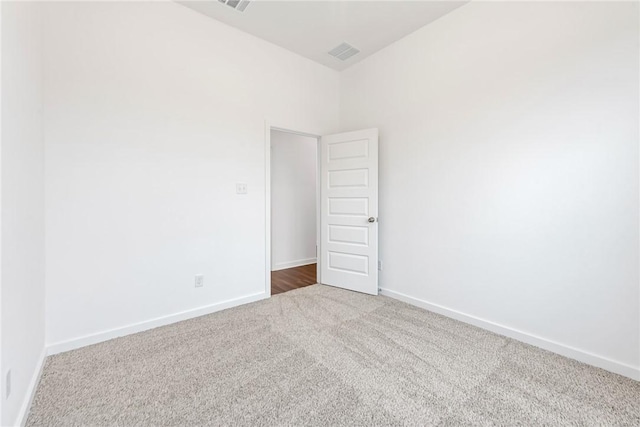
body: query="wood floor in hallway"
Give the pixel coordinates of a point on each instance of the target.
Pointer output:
(293, 278)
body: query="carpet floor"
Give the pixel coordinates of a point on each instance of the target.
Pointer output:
(326, 357)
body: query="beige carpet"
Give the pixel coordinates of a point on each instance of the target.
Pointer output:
(323, 356)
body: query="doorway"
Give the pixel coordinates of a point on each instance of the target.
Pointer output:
(346, 212)
(294, 210)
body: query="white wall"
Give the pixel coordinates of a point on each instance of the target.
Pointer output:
(22, 195)
(153, 113)
(294, 161)
(509, 170)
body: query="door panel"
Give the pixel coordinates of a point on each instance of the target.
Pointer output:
(349, 198)
(349, 234)
(349, 206)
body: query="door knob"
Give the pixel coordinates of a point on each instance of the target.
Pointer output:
(371, 219)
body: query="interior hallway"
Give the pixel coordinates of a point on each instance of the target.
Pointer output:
(293, 278)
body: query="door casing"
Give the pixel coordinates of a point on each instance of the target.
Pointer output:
(267, 153)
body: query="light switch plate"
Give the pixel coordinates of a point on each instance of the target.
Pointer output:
(199, 280)
(241, 188)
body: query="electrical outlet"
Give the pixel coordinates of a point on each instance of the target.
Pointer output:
(7, 384)
(241, 188)
(379, 265)
(199, 280)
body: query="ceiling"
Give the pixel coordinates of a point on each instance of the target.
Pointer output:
(313, 28)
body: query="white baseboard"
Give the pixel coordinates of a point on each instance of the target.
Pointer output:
(31, 390)
(99, 337)
(292, 264)
(624, 369)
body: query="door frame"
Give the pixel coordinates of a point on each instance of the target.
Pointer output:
(269, 126)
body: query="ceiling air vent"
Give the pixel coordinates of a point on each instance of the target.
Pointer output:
(240, 5)
(343, 52)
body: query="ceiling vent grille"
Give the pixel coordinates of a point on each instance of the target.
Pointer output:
(344, 51)
(239, 5)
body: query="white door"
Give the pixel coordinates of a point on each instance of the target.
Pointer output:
(349, 210)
